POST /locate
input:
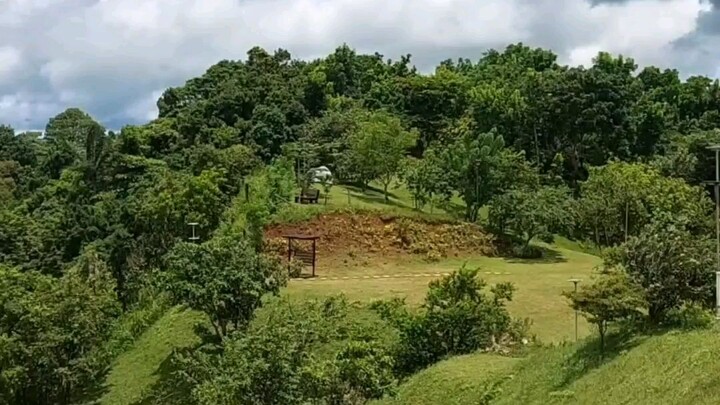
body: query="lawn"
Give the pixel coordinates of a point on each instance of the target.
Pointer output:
(399, 201)
(539, 283)
(456, 381)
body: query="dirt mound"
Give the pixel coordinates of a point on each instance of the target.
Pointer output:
(372, 233)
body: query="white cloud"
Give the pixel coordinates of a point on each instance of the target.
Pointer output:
(110, 57)
(10, 61)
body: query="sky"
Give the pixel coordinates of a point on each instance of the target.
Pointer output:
(113, 58)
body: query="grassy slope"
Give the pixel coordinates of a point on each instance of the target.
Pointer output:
(677, 368)
(539, 284)
(136, 370)
(456, 381)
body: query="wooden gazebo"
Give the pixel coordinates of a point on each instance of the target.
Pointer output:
(307, 253)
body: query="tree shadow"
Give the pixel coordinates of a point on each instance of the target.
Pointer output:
(589, 356)
(549, 256)
(370, 191)
(379, 200)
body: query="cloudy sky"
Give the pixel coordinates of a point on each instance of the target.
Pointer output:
(113, 58)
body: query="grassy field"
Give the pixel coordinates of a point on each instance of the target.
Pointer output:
(539, 284)
(457, 381)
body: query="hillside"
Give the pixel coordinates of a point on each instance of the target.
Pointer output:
(675, 368)
(458, 380)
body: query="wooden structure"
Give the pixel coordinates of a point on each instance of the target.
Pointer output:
(306, 254)
(308, 196)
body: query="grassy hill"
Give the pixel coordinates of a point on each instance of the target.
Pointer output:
(675, 368)
(456, 381)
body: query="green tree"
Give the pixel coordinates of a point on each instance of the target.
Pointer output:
(479, 167)
(671, 265)
(223, 277)
(528, 213)
(619, 199)
(377, 148)
(612, 297)
(320, 351)
(48, 330)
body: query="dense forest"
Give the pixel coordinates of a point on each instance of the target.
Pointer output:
(93, 222)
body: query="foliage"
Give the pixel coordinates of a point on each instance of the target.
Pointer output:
(457, 317)
(49, 329)
(690, 316)
(223, 277)
(301, 352)
(671, 265)
(530, 213)
(478, 168)
(610, 298)
(619, 199)
(377, 148)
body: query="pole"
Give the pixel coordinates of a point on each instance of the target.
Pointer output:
(575, 282)
(576, 314)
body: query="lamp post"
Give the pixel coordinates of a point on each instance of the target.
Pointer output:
(716, 187)
(575, 282)
(193, 238)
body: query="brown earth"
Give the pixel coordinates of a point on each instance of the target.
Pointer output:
(341, 234)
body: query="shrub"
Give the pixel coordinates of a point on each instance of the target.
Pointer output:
(690, 316)
(457, 317)
(319, 351)
(48, 330)
(295, 268)
(527, 252)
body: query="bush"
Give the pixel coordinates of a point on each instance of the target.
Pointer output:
(319, 351)
(671, 265)
(295, 268)
(527, 252)
(690, 316)
(458, 317)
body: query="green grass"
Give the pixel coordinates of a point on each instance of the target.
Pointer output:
(135, 371)
(456, 381)
(400, 201)
(539, 284)
(676, 368)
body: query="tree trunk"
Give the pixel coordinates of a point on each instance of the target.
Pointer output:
(602, 327)
(385, 187)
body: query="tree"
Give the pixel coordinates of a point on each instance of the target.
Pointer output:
(528, 213)
(49, 329)
(377, 148)
(619, 199)
(223, 277)
(670, 264)
(479, 167)
(610, 298)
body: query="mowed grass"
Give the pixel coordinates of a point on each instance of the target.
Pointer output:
(459, 380)
(675, 368)
(400, 201)
(135, 371)
(539, 284)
